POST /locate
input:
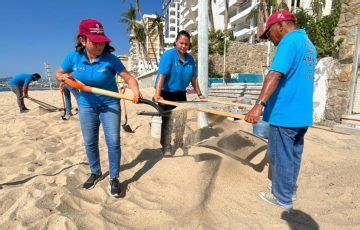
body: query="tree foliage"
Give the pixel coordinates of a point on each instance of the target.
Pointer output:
(216, 42)
(320, 29)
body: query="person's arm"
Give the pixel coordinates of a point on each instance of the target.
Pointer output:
(195, 84)
(270, 84)
(133, 84)
(62, 87)
(25, 90)
(61, 74)
(160, 83)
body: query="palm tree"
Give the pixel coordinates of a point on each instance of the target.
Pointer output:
(146, 31)
(157, 27)
(263, 10)
(226, 15)
(129, 18)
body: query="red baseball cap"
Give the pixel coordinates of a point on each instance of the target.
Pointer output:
(278, 16)
(94, 30)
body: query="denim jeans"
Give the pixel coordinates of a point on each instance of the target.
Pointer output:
(19, 97)
(285, 149)
(67, 95)
(109, 117)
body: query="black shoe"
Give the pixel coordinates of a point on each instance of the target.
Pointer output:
(166, 152)
(115, 187)
(91, 182)
(26, 108)
(24, 111)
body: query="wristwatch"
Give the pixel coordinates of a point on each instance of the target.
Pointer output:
(260, 102)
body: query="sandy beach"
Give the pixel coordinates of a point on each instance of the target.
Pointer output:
(212, 184)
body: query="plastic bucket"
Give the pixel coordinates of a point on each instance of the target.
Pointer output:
(155, 124)
(261, 129)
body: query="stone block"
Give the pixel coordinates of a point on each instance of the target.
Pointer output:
(346, 73)
(342, 31)
(348, 16)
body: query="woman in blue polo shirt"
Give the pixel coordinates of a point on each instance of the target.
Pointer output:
(93, 64)
(176, 70)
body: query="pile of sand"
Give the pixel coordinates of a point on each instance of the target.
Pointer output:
(213, 183)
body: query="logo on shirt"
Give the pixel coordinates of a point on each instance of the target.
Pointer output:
(102, 70)
(81, 68)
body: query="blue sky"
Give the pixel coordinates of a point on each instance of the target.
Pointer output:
(34, 31)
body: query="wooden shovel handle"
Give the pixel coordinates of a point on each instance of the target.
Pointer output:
(227, 103)
(79, 85)
(202, 109)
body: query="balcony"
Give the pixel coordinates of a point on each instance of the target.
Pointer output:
(189, 25)
(233, 4)
(242, 12)
(243, 30)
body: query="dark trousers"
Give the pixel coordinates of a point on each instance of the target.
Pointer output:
(168, 121)
(19, 97)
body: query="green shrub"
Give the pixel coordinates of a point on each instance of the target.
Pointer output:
(320, 29)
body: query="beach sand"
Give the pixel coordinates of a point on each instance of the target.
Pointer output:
(213, 184)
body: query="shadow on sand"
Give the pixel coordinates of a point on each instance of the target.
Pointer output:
(298, 219)
(22, 181)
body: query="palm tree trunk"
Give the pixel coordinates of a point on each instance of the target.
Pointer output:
(226, 15)
(211, 16)
(146, 32)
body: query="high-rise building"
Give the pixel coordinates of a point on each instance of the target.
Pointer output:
(171, 10)
(189, 16)
(244, 26)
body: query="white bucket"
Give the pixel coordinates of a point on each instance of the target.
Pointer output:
(156, 126)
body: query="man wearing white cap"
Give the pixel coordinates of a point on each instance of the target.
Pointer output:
(286, 98)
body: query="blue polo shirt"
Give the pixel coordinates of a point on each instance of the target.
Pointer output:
(291, 105)
(178, 73)
(100, 74)
(19, 80)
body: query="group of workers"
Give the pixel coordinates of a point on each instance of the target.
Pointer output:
(285, 100)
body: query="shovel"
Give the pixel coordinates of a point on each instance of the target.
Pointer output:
(44, 105)
(125, 126)
(81, 86)
(63, 101)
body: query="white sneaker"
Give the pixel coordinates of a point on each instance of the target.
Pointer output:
(269, 198)
(269, 186)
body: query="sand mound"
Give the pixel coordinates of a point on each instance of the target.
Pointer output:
(210, 183)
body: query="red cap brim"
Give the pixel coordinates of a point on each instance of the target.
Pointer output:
(98, 38)
(264, 34)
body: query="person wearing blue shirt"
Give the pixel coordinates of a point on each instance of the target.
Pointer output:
(19, 84)
(176, 70)
(93, 64)
(287, 96)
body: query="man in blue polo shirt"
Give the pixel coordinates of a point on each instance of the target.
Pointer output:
(287, 96)
(19, 84)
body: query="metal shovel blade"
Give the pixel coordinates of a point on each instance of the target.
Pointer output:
(127, 128)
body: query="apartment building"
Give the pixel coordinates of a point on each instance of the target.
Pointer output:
(245, 27)
(189, 16)
(171, 10)
(184, 15)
